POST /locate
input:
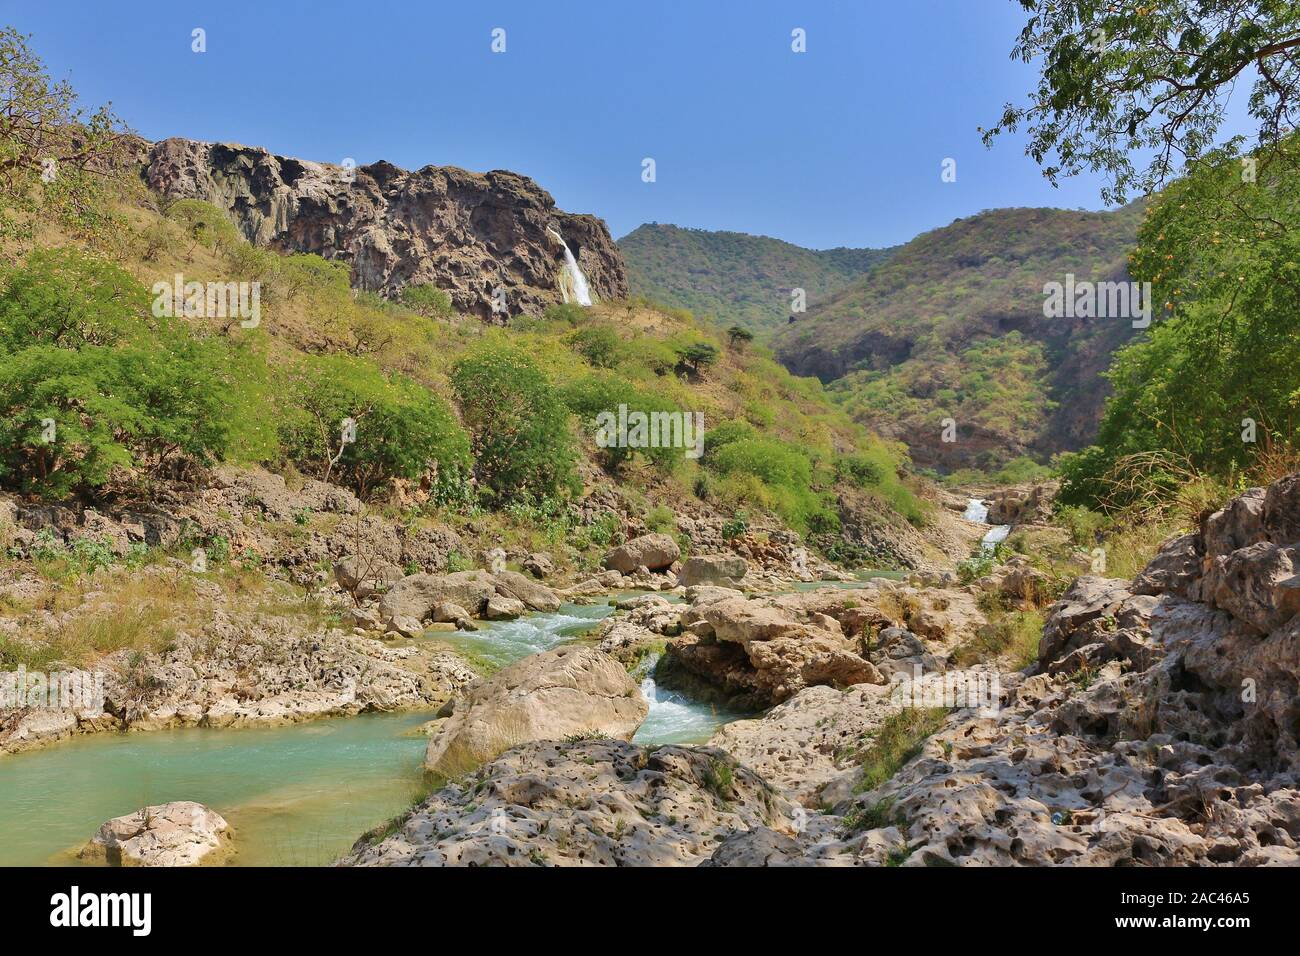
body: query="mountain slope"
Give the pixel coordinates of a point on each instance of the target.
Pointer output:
(738, 278)
(952, 326)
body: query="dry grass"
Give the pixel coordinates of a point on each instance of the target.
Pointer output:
(1009, 635)
(134, 613)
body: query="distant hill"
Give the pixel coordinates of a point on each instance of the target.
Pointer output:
(952, 326)
(737, 278)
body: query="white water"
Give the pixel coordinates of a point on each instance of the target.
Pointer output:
(504, 642)
(978, 511)
(674, 719)
(577, 282)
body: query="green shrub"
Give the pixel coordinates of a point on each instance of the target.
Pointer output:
(402, 430)
(568, 312)
(594, 395)
(598, 343)
(427, 300)
(65, 298)
(520, 428)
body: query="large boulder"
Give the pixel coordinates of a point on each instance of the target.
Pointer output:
(755, 653)
(724, 570)
(416, 595)
(802, 744)
(587, 803)
(653, 551)
(570, 691)
(363, 577)
(172, 834)
(502, 608)
(534, 596)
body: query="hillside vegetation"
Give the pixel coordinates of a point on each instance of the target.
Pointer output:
(1210, 392)
(735, 278)
(952, 327)
(105, 395)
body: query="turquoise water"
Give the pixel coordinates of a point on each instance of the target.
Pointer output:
(504, 642)
(297, 796)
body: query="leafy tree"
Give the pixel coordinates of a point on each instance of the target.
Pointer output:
(401, 429)
(1127, 80)
(739, 334)
(1222, 256)
(65, 298)
(696, 356)
(520, 429)
(70, 417)
(427, 300)
(53, 156)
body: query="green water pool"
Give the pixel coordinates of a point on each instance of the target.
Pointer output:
(298, 795)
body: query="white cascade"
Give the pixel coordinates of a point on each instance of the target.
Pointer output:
(576, 286)
(978, 511)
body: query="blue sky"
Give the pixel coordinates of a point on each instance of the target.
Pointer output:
(841, 145)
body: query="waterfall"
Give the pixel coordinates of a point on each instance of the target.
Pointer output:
(978, 511)
(575, 288)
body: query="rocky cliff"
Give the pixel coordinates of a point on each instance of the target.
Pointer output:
(467, 233)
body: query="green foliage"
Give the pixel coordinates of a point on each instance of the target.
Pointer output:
(520, 428)
(661, 518)
(58, 162)
(1121, 81)
(402, 430)
(66, 298)
(774, 475)
(897, 740)
(865, 470)
(736, 526)
(116, 394)
(569, 313)
(1222, 257)
(599, 344)
(739, 335)
(719, 436)
(427, 300)
(600, 394)
(981, 563)
(746, 279)
(771, 461)
(1082, 523)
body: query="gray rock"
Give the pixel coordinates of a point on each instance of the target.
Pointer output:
(725, 570)
(569, 691)
(534, 596)
(653, 552)
(415, 596)
(171, 834)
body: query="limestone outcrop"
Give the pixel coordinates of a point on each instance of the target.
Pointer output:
(585, 803)
(467, 233)
(572, 691)
(172, 834)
